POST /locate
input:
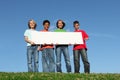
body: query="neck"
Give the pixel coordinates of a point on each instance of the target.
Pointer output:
(76, 29)
(59, 28)
(32, 29)
(45, 29)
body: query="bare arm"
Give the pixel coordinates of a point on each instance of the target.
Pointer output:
(28, 41)
(86, 39)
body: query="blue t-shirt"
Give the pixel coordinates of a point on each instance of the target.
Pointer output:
(28, 34)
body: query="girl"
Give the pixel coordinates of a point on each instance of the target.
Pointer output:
(32, 52)
(62, 49)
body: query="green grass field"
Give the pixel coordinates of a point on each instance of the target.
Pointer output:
(58, 76)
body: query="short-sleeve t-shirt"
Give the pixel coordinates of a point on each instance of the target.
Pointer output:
(46, 46)
(60, 30)
(28, 34)
(81, 46)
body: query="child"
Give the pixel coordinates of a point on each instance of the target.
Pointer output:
(62, 49)
(32, 52)
(48, 62)
(80, 49)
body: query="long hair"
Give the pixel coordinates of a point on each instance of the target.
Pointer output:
(62, 23)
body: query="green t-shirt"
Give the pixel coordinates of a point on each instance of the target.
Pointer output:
(60, 30)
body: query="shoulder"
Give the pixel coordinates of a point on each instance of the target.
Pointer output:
(62, 30)
(79, 31)
(82, 31)
(27, 30)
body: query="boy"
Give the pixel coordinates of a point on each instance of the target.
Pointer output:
(48, 62)
(80, 49)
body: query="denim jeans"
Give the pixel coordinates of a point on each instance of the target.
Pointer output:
(32, 58)
(59, 50)
(48, 60)
(84, 57)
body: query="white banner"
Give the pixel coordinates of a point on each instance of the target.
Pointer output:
(57, 37)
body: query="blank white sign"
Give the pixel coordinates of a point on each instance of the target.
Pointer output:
(57, 37)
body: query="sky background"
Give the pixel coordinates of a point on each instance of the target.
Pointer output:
(99, 18)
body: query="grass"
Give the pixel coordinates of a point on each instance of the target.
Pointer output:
(58, 76)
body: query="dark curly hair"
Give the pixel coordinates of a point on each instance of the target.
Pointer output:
(46, 21)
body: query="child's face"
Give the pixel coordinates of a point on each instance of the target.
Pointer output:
(60, 24)
(46, 26)
(76, 26)
(32, 24)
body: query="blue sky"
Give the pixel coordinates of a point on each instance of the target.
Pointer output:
(99, 18)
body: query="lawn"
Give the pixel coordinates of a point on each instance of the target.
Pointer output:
(58, 76)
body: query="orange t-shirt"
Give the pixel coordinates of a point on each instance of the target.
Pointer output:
(46, 46)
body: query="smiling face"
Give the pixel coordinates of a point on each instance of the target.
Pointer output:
(32, 24)
(46, 26)
(76, 26)
(60, 24)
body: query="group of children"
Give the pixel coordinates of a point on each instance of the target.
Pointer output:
(48, 59)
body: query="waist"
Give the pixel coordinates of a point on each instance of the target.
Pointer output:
(61, 45)
(35, 45)
(76, 47)
(47, 46)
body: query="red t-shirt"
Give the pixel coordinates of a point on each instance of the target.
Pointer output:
(81, 46)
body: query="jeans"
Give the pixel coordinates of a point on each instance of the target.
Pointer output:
(84, 57)
(32, 58)
(48, 60)
(59, 50)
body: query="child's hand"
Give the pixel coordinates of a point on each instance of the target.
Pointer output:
(52, 44)
(75, 43)
(86, 39)
(38, 48)
(56, 44)
(69, 44)
(32, 43)
(44, 44)
(41, 49)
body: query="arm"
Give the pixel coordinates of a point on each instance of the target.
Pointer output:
(28, 41)
(32, 43)
(86, 39)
